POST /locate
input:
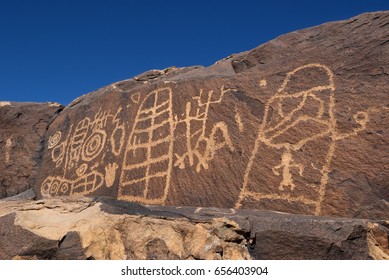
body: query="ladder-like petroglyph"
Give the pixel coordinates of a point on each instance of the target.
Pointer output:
(148, 157)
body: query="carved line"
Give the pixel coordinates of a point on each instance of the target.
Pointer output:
(286, 197)
(8, 146)
(238, 121)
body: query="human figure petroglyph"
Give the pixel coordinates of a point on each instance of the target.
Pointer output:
(262, 83)
(193, 151)
(286, 165)
(311, 110)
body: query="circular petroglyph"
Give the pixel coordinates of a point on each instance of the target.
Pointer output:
(54, 139)
(45, 188)
(64, 187)
(93, 145)
(54, 188)
(81, 170)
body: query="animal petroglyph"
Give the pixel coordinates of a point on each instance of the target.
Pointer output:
(294, 118)
(148, 157)
(198, 137)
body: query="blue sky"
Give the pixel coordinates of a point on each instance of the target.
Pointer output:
(58, 50)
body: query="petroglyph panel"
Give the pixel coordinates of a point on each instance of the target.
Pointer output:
(136, 152)
(77, 154)
(141, 147)
(295, 125)
(302, 119)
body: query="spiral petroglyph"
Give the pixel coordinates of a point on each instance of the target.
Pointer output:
(54, 139)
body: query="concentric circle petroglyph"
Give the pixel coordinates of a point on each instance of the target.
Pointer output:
(93, 145)
(54, 139)
(82, 169)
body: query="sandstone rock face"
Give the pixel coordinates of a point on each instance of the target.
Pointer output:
(55, 229)
(297, 125)
(22, 130)
(108, 229)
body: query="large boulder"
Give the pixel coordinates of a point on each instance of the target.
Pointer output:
(22, 130)
(98, 228)
(297, 125)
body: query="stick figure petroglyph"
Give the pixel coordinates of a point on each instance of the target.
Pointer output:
(286, 165)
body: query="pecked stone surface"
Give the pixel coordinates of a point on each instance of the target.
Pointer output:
(297, 125)
(103, 228)
(22, 130)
